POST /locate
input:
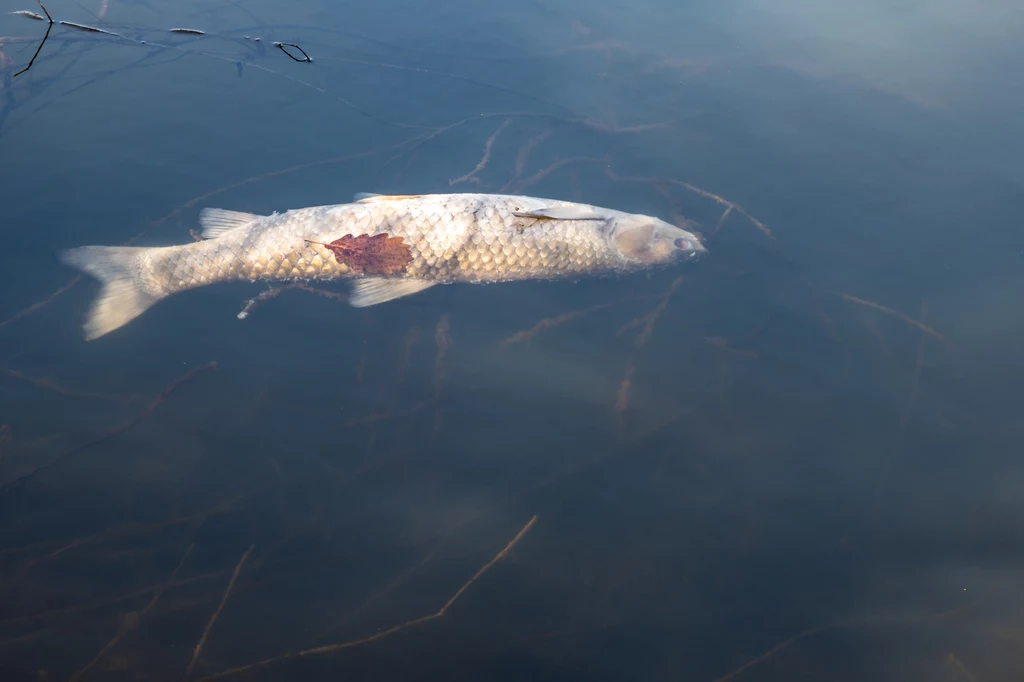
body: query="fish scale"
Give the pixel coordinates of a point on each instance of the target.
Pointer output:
(450, 238)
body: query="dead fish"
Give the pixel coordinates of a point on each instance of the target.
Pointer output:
(388, 246)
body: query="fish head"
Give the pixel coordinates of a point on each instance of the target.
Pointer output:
(643, 240)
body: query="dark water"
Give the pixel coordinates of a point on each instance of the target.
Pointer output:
(801, 462)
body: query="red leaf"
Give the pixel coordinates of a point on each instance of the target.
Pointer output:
(379, 254)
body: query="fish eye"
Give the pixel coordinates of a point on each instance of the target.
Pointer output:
(684, 244)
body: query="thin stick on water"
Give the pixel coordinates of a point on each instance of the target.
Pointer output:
(488, 147)
(216, 614)
(49, 27)
(89, 29)
(27, 14)
(440, 613)
(305, 57)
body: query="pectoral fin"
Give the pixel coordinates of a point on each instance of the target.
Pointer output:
(218, 221)
(373, 290)
(570, 212)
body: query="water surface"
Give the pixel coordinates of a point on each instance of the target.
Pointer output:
(800, 461)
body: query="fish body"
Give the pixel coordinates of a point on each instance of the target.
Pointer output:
(388, 246)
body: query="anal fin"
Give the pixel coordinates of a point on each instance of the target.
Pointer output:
(218, 221)
(373, 290)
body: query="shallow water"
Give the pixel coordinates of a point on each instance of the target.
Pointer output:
(800, 461)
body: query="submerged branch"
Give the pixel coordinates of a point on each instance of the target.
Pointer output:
(152, 407)
(895, 313)
(50, 385)
(527, 335)
(730, 205)
(333, 648)
(488, 146)
(213, 618)
(132, 619)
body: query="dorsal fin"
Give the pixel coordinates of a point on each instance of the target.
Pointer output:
(567, 212)
(368, 197)
(218, 221)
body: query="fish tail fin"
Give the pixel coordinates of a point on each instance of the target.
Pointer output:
(124, 294)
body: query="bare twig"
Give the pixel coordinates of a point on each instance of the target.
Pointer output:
(305, 57)
(701, 192)
(332, 295)
(54, 387)
(895, 313)
(253, 303)
(49, 27)
(719, 342)
(774, 650)
(157, 402)
(962, 668)
(625, 389)
(914, 390)
(213, 619)
(333, 648)
(131, 620)
(443, 339)
(650, 318)
(526, 336)
(516, 186)
(488, 146)
(134, 594)
(527, 149)
(28, 14)
(43, 302)
(860, 622)
(88, 29)
(721, 221)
